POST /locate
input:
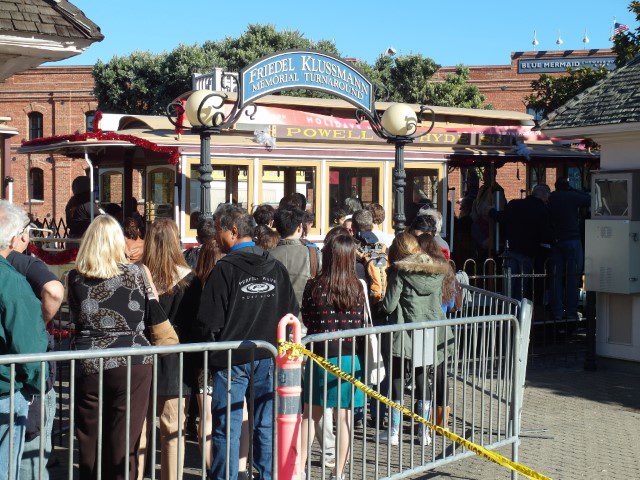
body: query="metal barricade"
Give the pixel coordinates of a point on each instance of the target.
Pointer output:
(554, 335)
(74, 390)
(466, 372)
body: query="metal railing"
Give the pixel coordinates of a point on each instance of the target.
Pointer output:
(472, 370)
(476, 389)
(70, 394)
(553, 336)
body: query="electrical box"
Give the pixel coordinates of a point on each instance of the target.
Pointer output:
(612, 256)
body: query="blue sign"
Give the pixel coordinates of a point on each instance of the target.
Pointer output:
(555, 65)
(303, 69)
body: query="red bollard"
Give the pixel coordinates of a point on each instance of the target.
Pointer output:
(289, 416)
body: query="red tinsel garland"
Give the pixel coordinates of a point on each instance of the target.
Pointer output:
(172, 152)
(59, 258)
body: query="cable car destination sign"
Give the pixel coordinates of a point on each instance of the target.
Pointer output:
(306, 69)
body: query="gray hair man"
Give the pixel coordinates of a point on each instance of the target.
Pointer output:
(21, 331)
(437, 216)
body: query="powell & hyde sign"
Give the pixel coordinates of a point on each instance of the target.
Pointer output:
(299, 69)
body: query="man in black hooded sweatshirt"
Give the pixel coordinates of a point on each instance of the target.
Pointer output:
(246, 295)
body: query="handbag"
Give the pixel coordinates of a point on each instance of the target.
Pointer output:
(161, 332)
(375, 371)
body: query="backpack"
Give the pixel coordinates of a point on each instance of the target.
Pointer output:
(375, 260)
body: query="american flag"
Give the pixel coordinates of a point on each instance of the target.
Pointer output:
(619, 28)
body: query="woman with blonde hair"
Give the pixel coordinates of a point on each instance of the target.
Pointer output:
(179, 297)
(107, 303)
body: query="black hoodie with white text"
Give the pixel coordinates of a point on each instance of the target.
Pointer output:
(244, 298)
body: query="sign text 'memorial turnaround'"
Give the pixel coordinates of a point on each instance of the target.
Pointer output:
(302, 69)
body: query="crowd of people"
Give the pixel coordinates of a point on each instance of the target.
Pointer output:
(246, 272)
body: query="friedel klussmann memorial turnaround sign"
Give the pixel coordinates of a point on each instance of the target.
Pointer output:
(302, 69)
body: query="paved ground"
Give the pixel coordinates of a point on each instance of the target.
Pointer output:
(576, 425)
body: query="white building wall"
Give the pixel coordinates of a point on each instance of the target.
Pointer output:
(618, 316)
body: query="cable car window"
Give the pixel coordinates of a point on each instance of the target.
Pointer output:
(421, 191)
(280, 181)
(160, 194)
(229, 184)
(351, 189)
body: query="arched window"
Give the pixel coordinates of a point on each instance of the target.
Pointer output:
(35, 125)
(36, 184)
(88, 120)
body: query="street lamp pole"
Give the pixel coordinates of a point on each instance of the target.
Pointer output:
(204, 110)
(399, 184)
(399, 127)
(205, 170)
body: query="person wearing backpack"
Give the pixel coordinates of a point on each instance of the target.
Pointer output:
(372, 253)
(301, 261)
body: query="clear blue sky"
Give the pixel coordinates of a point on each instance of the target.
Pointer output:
(450, 31)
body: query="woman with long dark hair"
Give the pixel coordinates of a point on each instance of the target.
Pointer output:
(333, 301)
(179, 299)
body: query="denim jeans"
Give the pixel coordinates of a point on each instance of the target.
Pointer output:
(20, 411)
(520, 265)
(568, 262)
(30, 464)
(262, 428)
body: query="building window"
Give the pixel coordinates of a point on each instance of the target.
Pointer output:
(35, 125)
(88, 120)
(36, 184)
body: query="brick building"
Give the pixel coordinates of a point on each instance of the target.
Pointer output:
(41, 102)
(506, 86)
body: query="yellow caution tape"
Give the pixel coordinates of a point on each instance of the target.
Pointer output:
(296, 350)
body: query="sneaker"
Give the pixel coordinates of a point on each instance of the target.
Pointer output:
(384, 438)
(425, 437)
(335, 477)
(330, 461)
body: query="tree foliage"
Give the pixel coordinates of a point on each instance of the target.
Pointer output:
(627, 44)
(551, 92)
(144, 83)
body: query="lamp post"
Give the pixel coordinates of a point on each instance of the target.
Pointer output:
(399, 127)
(204, 110)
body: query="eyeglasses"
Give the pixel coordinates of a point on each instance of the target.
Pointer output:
(25, 228)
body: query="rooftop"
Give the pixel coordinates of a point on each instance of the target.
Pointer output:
(58, 18)
(614, 100)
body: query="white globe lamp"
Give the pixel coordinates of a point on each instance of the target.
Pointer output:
(208, 114)
(400, 120)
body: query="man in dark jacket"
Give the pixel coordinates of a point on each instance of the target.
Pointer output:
(527, 228)
(567, 252)
(246, 295)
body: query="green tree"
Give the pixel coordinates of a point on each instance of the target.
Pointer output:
(627, 44)
(454, 91)
(144, 83)
(550, 93)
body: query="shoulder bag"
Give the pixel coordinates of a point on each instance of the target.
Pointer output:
(161, 332)
(375, 371)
